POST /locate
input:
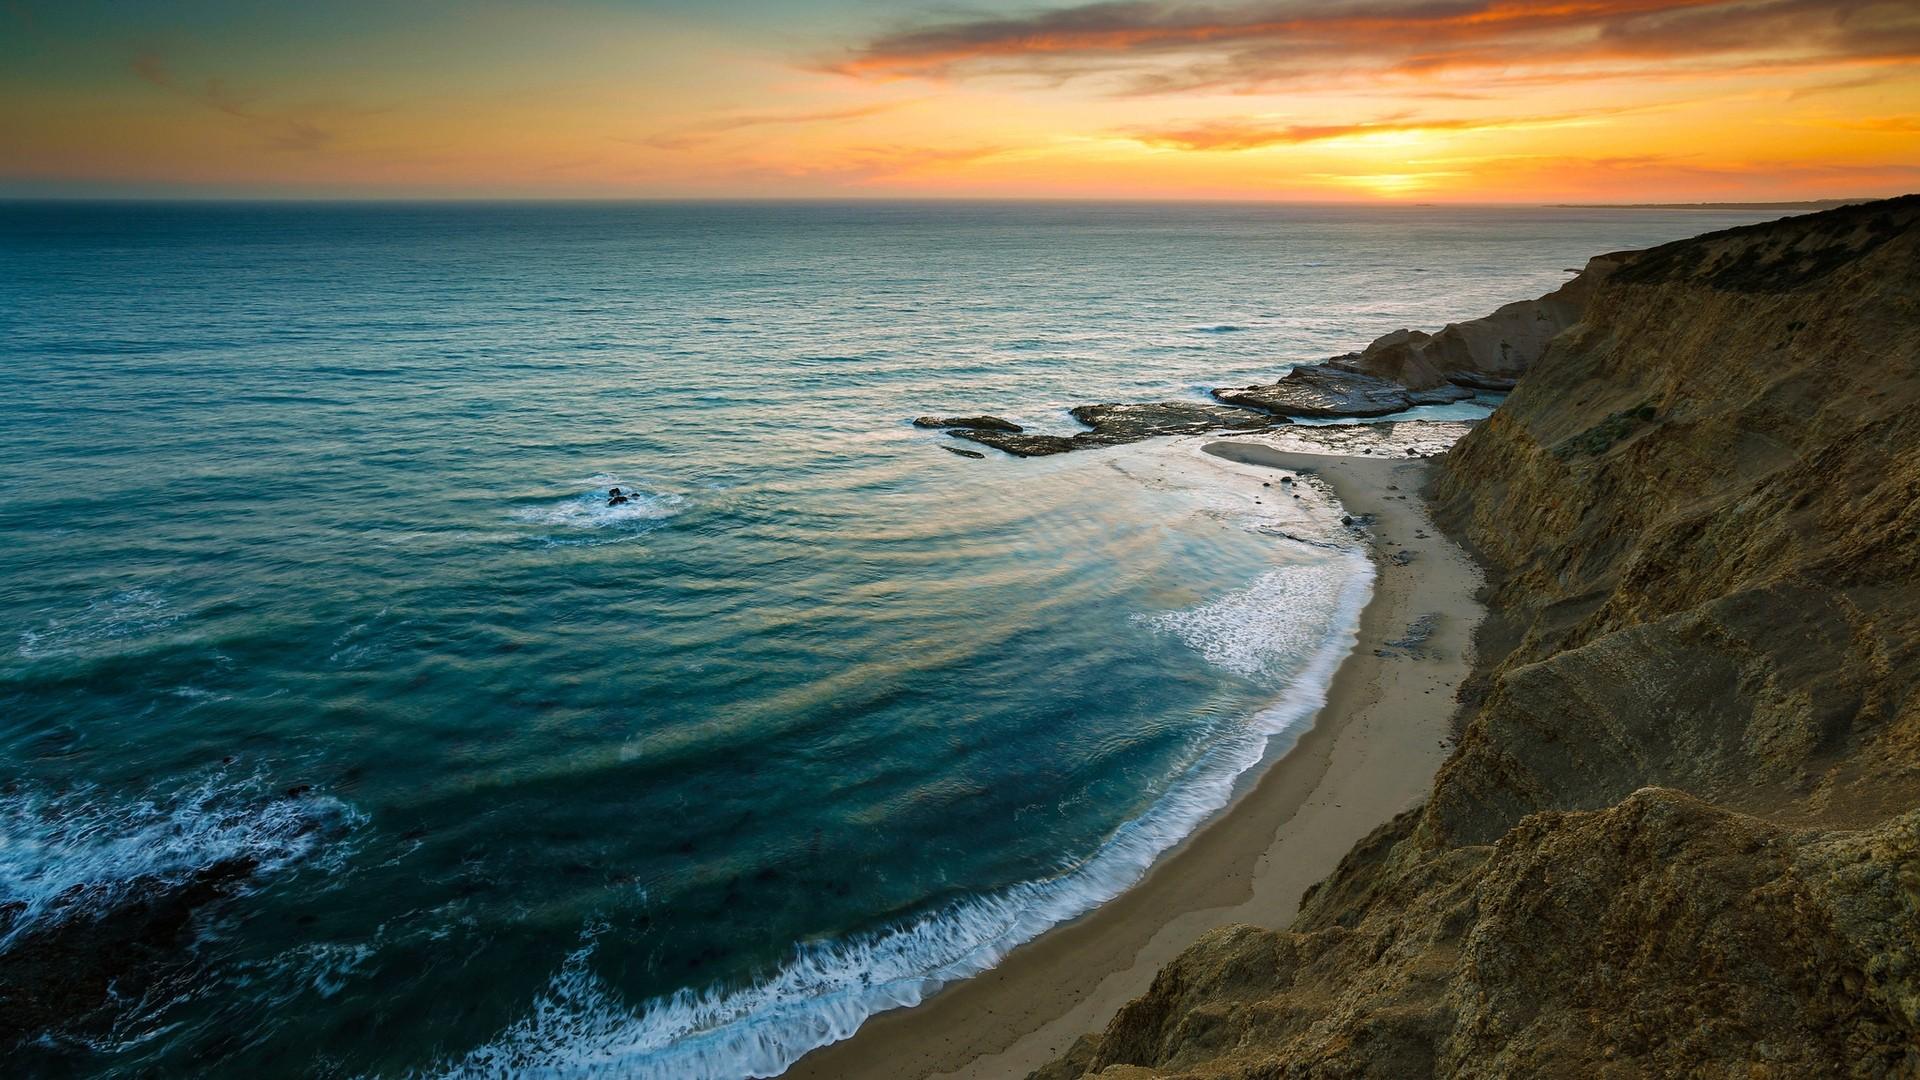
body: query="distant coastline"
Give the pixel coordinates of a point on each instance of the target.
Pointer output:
(1809, 204)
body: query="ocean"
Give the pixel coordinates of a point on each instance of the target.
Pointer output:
(313, 610)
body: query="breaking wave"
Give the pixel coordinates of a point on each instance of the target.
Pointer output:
(1259, 632)
(580, 1026)
(80, 853)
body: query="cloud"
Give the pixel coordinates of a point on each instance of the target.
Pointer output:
(1153, 46)
(706, 131)
(1904, 125)
(283, 129)
(1242, 134)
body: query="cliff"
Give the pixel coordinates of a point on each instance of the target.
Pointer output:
(1412, 367)
(1680, 832)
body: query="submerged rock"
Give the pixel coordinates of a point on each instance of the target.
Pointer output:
(76, 976)
(964, 453)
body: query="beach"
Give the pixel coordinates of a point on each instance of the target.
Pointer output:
(1371, 753)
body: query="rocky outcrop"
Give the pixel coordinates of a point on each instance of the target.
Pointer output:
(1114, 424)
(1397, 372)
(1324, 390)
(1680, 833)
(77, 976)
(1411, 367)
(978, 423)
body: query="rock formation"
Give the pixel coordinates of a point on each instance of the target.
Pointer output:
(1680, 833)
(1410, 367)
(1395, 373)
(981, 423)
(1113, 424)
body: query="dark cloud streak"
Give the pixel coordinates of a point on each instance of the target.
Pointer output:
(1163, 47)
(281, 129)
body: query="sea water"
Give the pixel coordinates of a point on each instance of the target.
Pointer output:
(306, 561)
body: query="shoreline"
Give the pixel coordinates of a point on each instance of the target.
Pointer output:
(1370, 753)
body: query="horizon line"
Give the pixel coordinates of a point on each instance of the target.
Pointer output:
(263, 198)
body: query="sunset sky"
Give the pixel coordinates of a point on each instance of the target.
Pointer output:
(1428, 100)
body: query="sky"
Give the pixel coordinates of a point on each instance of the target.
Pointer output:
(1313, 100)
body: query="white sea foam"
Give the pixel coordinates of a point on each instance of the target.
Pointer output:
(589, 510)
(580, 1026)
(79, 853)
(127, 613)
(1263, 631)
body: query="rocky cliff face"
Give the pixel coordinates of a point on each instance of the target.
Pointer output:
(1412, 367)
(1680, 834)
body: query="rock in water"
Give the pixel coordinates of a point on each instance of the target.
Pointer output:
(975, 423)
(1126, 423)
(1113, 424)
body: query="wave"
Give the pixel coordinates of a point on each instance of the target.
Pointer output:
(1256, 631)
(589, 511)
(81, 853)
(580, 1026)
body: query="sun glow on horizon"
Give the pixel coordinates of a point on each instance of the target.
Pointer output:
(1488, 101)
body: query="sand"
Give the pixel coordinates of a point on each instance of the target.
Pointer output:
(1371, 753)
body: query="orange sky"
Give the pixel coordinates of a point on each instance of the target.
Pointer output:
(1429, 100)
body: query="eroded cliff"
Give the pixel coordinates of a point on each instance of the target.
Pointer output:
(1680, 833)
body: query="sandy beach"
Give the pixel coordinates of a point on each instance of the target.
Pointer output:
(1371, 753)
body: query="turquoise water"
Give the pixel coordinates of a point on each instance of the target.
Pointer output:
(307, 562)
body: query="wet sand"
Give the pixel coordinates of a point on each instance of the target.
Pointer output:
(1371, 753)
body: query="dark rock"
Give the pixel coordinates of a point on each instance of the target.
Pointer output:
(976, 423)
(1019, 445)
(1321, 390)
(964, 453)
(1113, 424)
(1126, 423)
(75, 975)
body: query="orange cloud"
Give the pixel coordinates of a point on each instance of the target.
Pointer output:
(1238, 134)
(1162, 47)
(1904, 125)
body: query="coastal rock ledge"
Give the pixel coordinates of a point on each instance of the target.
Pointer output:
(1411, 367)
(1679, 834)
(1397, 372)
(1109, 425)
